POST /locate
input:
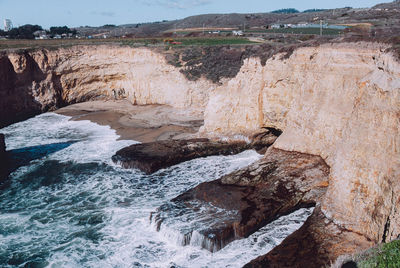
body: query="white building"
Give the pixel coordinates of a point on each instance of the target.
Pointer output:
(41, 35)
(7, 25)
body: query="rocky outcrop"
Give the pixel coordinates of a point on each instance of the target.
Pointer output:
(341, 102)
(318, 243)
(18, 85)
(153, 156)
(251, 197)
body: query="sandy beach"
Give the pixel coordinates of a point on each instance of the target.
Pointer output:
(143, 123)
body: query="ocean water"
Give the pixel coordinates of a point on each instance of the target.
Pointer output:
(72, 207)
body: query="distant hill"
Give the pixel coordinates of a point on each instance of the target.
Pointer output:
(394, 4)
(384, 15)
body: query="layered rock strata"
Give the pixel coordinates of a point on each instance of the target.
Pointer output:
(251, 197)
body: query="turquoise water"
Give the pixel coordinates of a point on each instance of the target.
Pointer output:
(72, 207)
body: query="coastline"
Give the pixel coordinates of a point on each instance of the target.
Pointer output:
(333, 114)
(143, 123)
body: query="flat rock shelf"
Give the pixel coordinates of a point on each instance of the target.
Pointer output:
(240, 203)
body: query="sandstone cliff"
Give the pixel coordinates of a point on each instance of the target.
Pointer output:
(38, 81)
(340, 102)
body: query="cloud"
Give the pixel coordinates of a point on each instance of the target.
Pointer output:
(104, 13)
(177, 4)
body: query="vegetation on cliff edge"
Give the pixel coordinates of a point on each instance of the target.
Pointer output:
(383, 256)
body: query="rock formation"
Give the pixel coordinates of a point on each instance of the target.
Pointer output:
(153, 156)
(340, 102)
(314, 245)
(254, 196)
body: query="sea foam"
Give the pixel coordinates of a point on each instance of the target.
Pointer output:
(75, 208)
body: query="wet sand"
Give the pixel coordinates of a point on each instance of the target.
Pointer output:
(143, 123)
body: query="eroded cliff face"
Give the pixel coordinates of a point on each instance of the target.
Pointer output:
(341, 102)
(38, 81)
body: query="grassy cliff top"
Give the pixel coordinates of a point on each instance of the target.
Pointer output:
(383, 256)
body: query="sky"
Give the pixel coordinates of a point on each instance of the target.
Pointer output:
(74, 13)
